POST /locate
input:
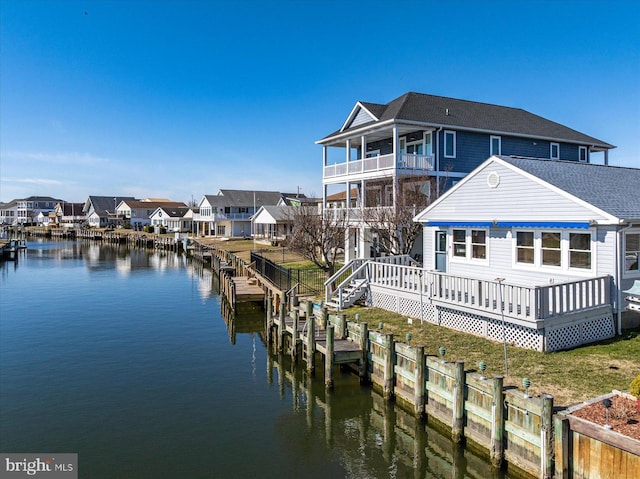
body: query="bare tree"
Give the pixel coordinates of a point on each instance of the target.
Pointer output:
(394, 226)
(318, 236)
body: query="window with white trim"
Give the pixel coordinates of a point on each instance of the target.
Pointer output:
(469, 244)
(632, 253)
(460, 243)
(496, 145)
(582, 154)
(580, 250)
(525, 248)
(553, 250)
(554, 151)
(449, 144)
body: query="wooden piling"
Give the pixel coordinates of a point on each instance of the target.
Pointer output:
(328, 360)
(311, 339)
(457, 428)
(294, 335)
(387, 386)
(269, 320)
(363, 368)
(281, 325)
(546, 431)
(497, 423)
(419, 386)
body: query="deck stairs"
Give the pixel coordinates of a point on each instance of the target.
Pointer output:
(348, 295)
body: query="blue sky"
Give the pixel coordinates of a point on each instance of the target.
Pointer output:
(181, 98)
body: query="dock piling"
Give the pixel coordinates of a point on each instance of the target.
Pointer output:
(328, 360)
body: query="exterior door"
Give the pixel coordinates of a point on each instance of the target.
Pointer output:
(441, 251)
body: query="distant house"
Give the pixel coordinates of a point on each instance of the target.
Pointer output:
(229, 212)
(176, 219)
(70, 215)
(9, 212)
(138, 212)
(100, 211)
(28, 209)
(273, 223)
(420, 143)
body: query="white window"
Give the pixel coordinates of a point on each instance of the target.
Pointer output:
(554, 250)
(525, 252)
(449, 144)
(554, 151)
(372, 153)
(469, 244)
(428, 148)
(631, 253)
(496, 145)
(582, 154)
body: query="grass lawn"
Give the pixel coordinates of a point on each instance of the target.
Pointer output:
(570, 376)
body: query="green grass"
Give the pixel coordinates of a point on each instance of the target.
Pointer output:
(570, 376)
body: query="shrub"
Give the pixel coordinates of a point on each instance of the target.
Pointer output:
(634, 388)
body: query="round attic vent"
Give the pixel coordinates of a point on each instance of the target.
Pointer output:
(493, 180)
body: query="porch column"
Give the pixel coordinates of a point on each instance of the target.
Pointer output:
(364, 240)
(348, 256)
(348, 145)
(324, 197)
(396, 155)
(363, 147)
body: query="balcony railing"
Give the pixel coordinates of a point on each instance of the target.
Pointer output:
(406, 161)
(222, 217)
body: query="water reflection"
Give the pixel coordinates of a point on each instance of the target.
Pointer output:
(366, 433)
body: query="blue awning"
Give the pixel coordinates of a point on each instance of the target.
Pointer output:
(514, 224)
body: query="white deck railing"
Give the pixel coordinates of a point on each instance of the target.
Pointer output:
(405, 161)
(525, 303)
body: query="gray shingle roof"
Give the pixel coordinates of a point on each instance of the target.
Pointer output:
(463, 114)
(613, 189)
(244, 198)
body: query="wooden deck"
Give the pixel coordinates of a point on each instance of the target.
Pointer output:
(247, 289)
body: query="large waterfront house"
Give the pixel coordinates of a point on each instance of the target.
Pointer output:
(26, 211)
(423, 144)
(228, 213)
(534, 252)
(100, 211)
(138, 212)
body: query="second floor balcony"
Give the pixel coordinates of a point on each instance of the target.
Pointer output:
(217, 216)
(377, 166)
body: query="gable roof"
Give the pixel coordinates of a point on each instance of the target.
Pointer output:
(613, 189)
(270, 214)
(439, 111)
(244, 198)
(103, 204)
(147, 204)
(172, 211)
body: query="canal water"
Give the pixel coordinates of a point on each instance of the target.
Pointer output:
(125, 357)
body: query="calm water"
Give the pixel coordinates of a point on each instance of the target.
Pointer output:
(124, 357)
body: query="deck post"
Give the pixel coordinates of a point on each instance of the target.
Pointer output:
(497, 423)
(311, 339)
(457, 430)
(281, 324)
(364, 335)
(546, 433)
(418, 387)
(294, 335)
(328, 360)
(324, 318)
(387, 386)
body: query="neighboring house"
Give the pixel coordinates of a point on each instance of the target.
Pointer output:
(339, 200)
(9, 213)
(138, 212)
(28, 209)
(273, 222)
(70, 215)
(424, 144)
(567, 233)
(44, 218)
(100, 211)
(173, 218)
(229, 212)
